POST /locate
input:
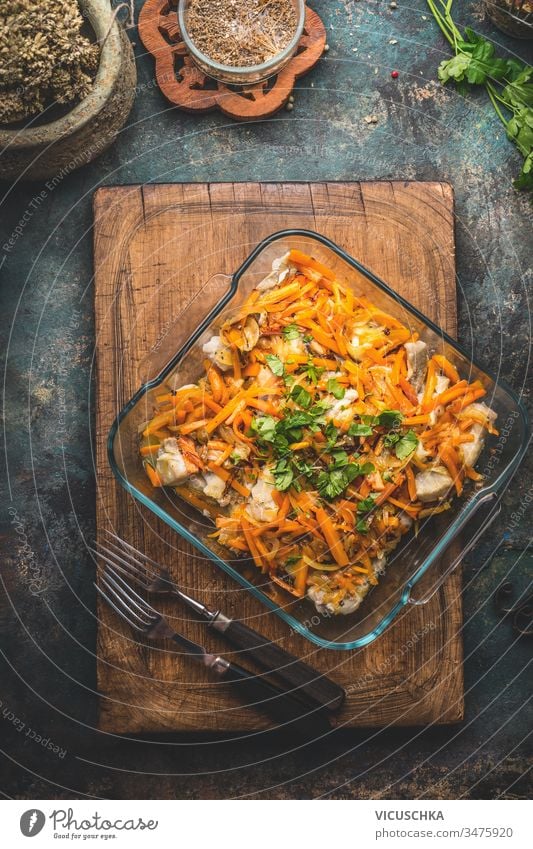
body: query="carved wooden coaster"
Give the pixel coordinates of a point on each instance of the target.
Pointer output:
(184, 85)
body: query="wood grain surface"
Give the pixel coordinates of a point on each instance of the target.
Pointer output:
(155, 245)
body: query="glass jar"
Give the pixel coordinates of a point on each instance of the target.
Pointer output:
(513, 17)
(246, 75)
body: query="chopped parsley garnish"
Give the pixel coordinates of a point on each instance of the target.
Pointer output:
(340, 458)
(367, 504)
(275, 365)
(391, 439)
(313, 372)
(283, 474)
(406, 445)
(332, 434)
(303, 467)
(308, 338)
(291, 332)
(359, 430)
(390, 418)
(301, 396)
(362, 526)
(338, 476)
(335, 388)
(387, 418)
(292, 560)
(264, 427)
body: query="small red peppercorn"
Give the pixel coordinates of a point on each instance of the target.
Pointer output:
(394, 75)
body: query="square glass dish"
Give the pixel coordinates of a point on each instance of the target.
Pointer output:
(422, 561)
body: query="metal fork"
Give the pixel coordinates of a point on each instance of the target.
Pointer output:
(313, 688)
(252, 689)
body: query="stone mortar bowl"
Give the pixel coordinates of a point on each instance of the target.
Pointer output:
(57, 148)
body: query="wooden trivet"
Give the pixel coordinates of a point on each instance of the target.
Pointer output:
(184, 85)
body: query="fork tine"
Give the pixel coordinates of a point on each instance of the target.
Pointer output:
(141, 554)
(124, 593)
(124, 587)
(124, 566)
(120, 610)
(111, 565)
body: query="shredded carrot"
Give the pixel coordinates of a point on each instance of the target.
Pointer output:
(411, 485)
(332, 537)
(146, 450)
(155, 480)
(299, 258)
(449, 370)
(192, 426)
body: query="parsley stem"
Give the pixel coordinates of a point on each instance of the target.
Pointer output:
(443, 24)
(494, 100)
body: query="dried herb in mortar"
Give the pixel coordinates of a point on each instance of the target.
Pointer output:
(44, 58)
(241, 33)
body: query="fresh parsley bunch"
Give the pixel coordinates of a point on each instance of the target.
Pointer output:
(508, 83)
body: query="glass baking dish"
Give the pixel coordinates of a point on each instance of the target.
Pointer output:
(421, 563)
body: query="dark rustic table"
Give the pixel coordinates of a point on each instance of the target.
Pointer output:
(48, 701)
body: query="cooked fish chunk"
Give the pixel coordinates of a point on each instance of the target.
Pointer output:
(441, 384)
(214, 487)
(261, 506)
(319, 596)
(417, 362)
(280, 270)
(170, 465)
(470, 451)
(327, 599)
(218, 353)
(433, 484)
(340, 409)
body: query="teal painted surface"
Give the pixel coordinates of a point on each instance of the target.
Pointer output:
(423, 132)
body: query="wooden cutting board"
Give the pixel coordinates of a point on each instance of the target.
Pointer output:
(155, 245)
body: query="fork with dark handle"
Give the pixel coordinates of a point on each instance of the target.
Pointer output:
(252, 689)
(312, 688)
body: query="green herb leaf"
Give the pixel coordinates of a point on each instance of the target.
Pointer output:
(366, 468)
(362, 526)
(283, 475)
(264, 427)
(292, 560)
(367, 504)
(340, 458)
(391, 439)
(406, 445)
(303, 467)
(454, 69)
(390, 418)
(332, 434)
(332, 482)
(313, 372)
(335, 388)
(275, 365)
(302, 397)
(291, 332)
(360, 430)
